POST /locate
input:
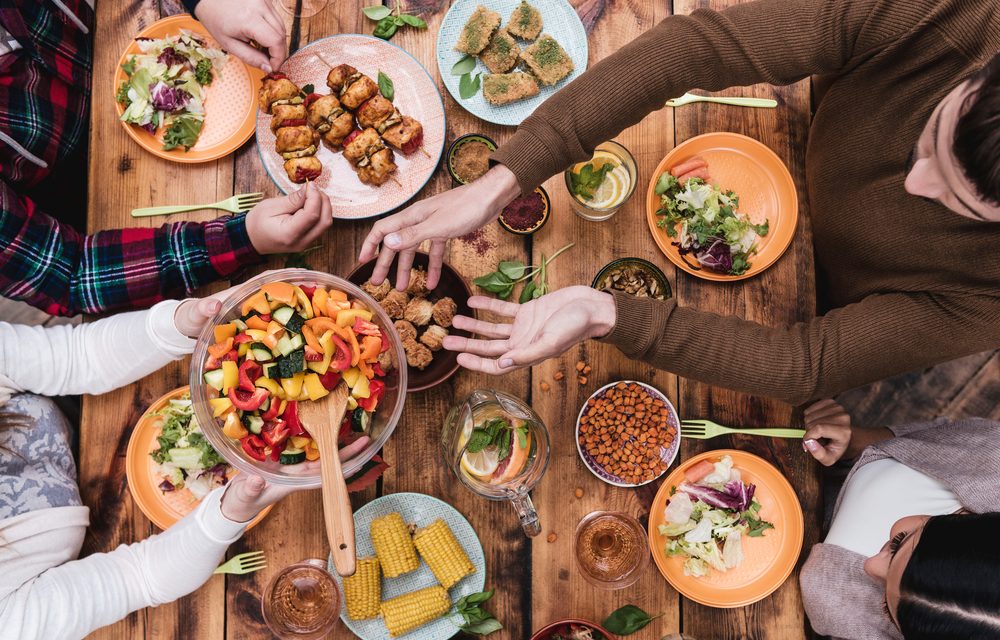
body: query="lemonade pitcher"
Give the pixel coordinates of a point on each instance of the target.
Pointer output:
(499, 448)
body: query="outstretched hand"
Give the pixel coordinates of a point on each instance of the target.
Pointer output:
(239, 24)
(290, 223)
(439, 218)
(540, 329)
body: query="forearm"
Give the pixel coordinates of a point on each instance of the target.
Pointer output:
(93, 357)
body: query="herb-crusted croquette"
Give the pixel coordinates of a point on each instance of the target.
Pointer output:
(477, 31)
(394, 304)
(525, 22)
(444, 311)
(504, 88)
(502, 53)
(548, 60)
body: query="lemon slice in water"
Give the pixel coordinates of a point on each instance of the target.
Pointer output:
(481, 464)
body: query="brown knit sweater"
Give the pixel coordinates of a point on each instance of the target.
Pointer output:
(910, 283)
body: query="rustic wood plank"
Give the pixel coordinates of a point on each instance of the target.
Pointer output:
(782, 295)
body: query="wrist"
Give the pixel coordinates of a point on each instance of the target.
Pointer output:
(604, 314)
(501, 188)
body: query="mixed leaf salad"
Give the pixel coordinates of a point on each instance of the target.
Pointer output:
(706, 223)
(708, 516)
(186, 459)
(164, 86)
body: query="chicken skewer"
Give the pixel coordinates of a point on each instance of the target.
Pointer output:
(402, 132)
(293, 140)
(373, 161)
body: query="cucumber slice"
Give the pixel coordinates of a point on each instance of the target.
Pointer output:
(297, 359)
(261, 353)
(297, 341)
(360, 420)
(185, 457)
(295, 323)
(285, 345)
(240, 325)
(254, 423)
(271, 371)
(265, 405)
(215, 379)
(292, 455)
(282, 314)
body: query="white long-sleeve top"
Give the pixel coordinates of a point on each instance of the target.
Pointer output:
(45, 592)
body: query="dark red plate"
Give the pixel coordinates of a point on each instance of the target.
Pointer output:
(452, 285)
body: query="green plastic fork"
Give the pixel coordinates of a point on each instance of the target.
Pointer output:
(688, 98)
(236, 204)
(243, 563)
(705, 429)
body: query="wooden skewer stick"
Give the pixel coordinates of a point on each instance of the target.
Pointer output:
(398, 183)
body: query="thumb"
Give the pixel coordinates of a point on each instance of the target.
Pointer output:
(192, 315)
(252, 488)
(823, 455)
(294, 200)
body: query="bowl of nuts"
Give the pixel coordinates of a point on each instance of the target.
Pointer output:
(634, 276)
(628, 433)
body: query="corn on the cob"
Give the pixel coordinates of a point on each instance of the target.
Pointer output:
(363, 590)
(415, 609)
(442, 553)
(394, 545)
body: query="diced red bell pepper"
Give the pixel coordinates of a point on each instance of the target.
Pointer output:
(254, 447)
(351, 136)
(265, 317)
(248, 400)
(212, 363)
(249, 372)
(291, 418)
(275, 432)
(412, 144)
(241, 338)
(366, 328)
(345, 430)
(377, 370)
(294, 122)
(375, 390)
(330, 379)
(232, 355)
(302, 174)
(342, 355)
(385, 343)
(311, 98)
(272, 410)
(275, 75)
(276, 451)
(312, 355)
(309, 290)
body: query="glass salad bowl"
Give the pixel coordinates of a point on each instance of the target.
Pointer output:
(383, 421)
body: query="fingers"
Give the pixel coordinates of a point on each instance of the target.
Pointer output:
(354, 448)
(836, 439)
(823, 454)
(301, 222)
(403, 269)
(382, 266)
(495, 305)
(248, 54)
(491, 348)
(822, 407)
(436, 253)
(386, 227)
(279, 51)
(482, 328)
(325, 221)
(483, 365)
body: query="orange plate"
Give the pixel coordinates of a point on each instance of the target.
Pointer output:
(163, 509)
(230, 101)
(767, 560)
(759, 178)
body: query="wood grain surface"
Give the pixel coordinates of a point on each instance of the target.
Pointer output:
(536, 580)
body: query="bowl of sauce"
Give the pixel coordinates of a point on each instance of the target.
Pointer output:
(526, 213)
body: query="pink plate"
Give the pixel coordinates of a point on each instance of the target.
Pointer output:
(416, 95)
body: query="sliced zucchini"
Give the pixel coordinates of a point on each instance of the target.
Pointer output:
(282, 314)
(254, 423)
(297, 341)
(297, 359)
(294, 324)
(360, 420)
(286, 369)
(285, 345)
(215, 379)
(240, 325)
(260, 352)
(291, 455)
(271, 371)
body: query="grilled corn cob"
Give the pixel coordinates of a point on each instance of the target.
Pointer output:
(393, 545)
(415, 609)
(442, 553)
(363, 590)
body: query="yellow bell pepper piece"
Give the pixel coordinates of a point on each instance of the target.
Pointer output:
(305, 307)
(304, 394)
(327, 348)
(244, 351)
(312, 451)
(319, 301)
(281, 409)
(224, 331)
(257, 335)
(352, 404)
(300, 442)
(351, 376)
(293, 385)
(361, 388)
(230, 375)
(271, 385)
(220, 406)
(233, 428)
(346, 317)
(314, 387)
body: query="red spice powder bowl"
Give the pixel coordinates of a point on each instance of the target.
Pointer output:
(526, 214)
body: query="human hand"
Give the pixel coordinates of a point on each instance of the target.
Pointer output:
(439, 218)
(237, 23)
(247, 495)
(290, 223)
(541, 329)
(828, 431)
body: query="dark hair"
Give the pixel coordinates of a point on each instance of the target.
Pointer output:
(977, 135)
(949, 588)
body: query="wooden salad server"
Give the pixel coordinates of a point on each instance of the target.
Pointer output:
(322, 418)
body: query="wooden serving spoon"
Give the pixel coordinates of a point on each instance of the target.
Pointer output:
(322, 418)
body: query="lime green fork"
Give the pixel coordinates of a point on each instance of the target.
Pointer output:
(243, 563)
(688, 98)
(236, 204)
(705, 429)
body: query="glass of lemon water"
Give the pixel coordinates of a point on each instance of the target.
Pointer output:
(498, 447)
(601, 185)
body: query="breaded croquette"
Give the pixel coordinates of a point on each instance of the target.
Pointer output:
(504, 88)
(418, 356)
(477, 31)
(434, 337)
(418, 311)
(418, 283)
(444, 311)
(525, 22)
(394, 304)
(377, 291)
(502, 53)
(406, 330)
(548, 60)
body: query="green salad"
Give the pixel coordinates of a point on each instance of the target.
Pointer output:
(186, 458)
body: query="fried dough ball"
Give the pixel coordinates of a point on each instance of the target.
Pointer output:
(418, 356)
(406, 330)
(434, 337)
(418, 283)
(444, 311)
(394, 304)
(418, 311)
(377, 291)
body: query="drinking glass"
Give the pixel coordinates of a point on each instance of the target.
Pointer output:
(611, 549)
(626, 178)
(302, 602)
(498, 472)
(301, 8)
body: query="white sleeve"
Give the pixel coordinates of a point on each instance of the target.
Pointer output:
(74, 599)
(93, 357)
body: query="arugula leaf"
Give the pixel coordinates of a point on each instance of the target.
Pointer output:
(377, 12)
(385, 86)
(627, 620)
(182, 132)
(468, 85)
(466, 64)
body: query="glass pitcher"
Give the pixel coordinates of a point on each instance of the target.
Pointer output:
(499, 448)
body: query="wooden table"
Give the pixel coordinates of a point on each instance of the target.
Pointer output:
(536, 580)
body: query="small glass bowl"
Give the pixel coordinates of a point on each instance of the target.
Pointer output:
(459, 141)
(298, 475)
(603, 547)
(654, 271)
(546, 210)
(595, 214)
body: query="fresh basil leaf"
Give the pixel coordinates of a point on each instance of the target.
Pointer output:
(385, 29)
(505, 293)
(308, 88)
(540, 291)
(466, 64)
(483, 628)
(377, 12)
(468, 85)
(482, 596)
(627, 620)
(385, 86)
(513, 269)
(495, 282)
(413, 21)
(398, 21)
(527, 293)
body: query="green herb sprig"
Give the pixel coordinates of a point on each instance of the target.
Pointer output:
(588, 179)
(476, 620)
(627, 620)
(510, 272)
(388, 21)
(468, 84)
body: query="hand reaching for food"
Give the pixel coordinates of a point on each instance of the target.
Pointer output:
(291, 223)
(439, 218)
(540, 329)
(235, 24)
(830, 436)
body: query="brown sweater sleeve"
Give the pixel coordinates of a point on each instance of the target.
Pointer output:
(776, 41)
(880, 336)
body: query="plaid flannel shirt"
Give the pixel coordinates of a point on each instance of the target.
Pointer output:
(44, 110)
